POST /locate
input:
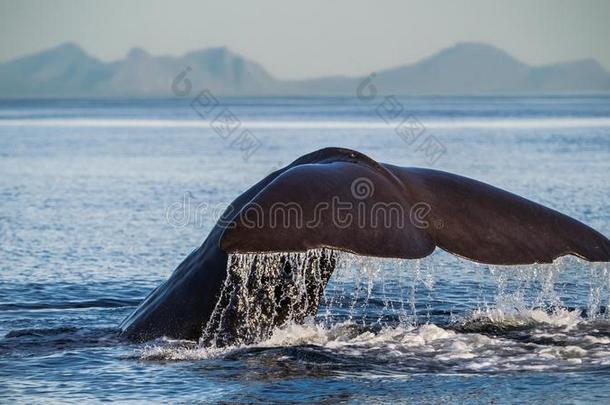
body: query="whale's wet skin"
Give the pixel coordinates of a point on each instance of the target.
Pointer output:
(93, 218)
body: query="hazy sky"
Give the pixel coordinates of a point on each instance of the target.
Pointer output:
(311, 38)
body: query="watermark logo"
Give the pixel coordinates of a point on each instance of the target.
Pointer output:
(189, 212)
(358, 209)
(221, 120)
(406, 126)
(362, 188)
(181, 85)
(418, 214)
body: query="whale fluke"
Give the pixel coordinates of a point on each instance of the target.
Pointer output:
(355, 204)
(489, 225)
(343, 200)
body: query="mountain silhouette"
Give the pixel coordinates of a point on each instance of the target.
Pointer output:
(463, 69)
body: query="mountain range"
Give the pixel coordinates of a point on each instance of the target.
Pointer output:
(463, 69)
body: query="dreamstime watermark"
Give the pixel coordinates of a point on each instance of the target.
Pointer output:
(356, 210)
(221, 119)
(406, 126)
(189, 212)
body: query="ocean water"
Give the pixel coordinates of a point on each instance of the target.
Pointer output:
(101, 199)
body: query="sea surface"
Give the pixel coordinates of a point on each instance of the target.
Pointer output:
(101, 199)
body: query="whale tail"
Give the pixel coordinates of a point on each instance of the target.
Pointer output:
(345, 200)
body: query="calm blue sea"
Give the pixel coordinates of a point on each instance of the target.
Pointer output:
(101, 199)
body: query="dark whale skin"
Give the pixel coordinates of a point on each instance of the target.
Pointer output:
(464, 216)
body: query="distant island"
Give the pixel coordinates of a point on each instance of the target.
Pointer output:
(464, 69)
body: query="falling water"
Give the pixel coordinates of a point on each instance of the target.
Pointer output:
(263, 291)
(375, 291)
(266, 291)
(529, 294)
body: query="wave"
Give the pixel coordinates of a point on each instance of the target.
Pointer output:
(46, 305)
(498, 321)
(43, 341)
(558, 341)
(515, 123)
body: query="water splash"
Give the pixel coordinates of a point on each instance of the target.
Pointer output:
(376, 291)
(325, 287)
(544, 286)
(599, 291)
(263, 291)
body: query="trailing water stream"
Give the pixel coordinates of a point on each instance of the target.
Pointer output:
(385, 310)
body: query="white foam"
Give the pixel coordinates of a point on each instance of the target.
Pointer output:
(560, 317)
(512, 334)
(427, 345)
